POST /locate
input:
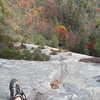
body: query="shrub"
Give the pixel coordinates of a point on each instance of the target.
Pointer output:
(16, 38)
(39, 39)
(6, 45)
(36, 55)
(9, 54)
(39, 56)
(54, 41)
(97, 46)
(82, 46)
(26, 55)
(5, 38)
(90, 45)
(27, 38)
(41, 47)
(61, 32)
(9, 45)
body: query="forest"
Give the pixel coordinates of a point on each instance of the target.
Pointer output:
(68, 24)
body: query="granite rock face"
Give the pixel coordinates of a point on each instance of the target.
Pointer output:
(70, 78)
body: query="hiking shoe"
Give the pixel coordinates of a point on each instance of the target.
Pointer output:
(14, 88)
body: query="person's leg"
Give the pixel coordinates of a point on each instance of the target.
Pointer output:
(18, 98)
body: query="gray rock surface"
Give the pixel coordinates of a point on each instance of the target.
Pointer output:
(79, 80)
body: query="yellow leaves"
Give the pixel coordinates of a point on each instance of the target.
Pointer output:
(61, 29)
(62, 32)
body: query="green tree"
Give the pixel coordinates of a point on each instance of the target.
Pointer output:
(39, 39)
(82, 46)
(54, 41)
(97, 46)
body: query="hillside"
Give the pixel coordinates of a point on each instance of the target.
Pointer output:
(69, 78)
(68, 24)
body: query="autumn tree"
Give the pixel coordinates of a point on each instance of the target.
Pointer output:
(62, 32)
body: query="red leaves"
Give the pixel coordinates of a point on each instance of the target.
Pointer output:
(91, 45)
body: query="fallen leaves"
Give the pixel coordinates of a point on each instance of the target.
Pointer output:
(54, 52)
(55, 84)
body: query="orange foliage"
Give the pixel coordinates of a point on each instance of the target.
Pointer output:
(62, 32)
